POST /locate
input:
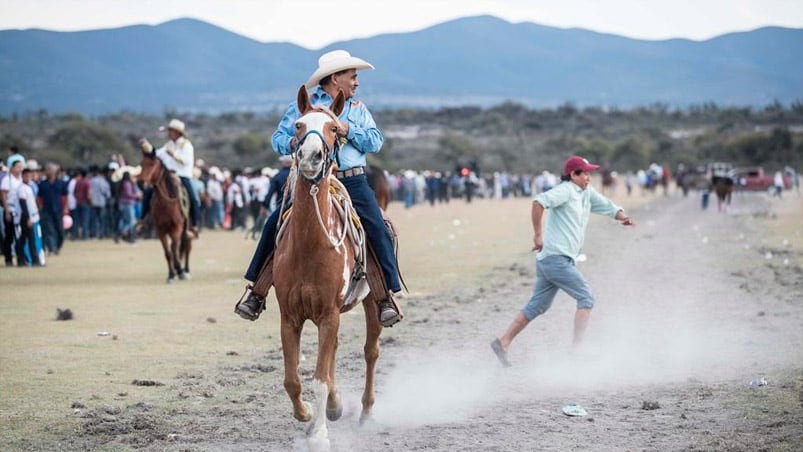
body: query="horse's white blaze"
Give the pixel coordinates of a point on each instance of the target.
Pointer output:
(312, 144)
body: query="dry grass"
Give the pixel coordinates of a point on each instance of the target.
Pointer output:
(158, 330)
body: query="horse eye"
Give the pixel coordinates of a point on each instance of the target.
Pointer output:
(334, 129)
(298, 125)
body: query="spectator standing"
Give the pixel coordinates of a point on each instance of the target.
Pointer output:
(235, 202)
(129, 193)
(99, 194)
(778, 183)
(29, 246)
(9, 189)
(83, 208)
(51, 191)
(214, 190)
(277, 183)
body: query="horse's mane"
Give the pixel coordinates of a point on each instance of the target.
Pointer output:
(172, 190)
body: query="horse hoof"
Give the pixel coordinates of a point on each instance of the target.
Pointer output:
(187, 276)
(170, 280)
(365, 418)
(304, 415)
(182, 276)
(334, 414)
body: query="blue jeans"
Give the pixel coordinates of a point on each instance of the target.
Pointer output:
(364, 202)
(127, 219)
(84, 211)
(553, 273)
(52, 229)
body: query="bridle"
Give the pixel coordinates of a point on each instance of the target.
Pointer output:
(332, 151)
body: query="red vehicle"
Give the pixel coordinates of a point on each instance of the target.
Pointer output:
(754, 179)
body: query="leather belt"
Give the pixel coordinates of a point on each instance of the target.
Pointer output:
(350, 172)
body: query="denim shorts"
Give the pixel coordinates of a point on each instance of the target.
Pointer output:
(553, 273)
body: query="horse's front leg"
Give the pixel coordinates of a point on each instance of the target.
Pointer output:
(334, 406)
(372, 331)
(322, 384)
(168, 258)
(291, 341)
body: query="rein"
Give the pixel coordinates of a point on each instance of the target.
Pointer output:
(333, 155)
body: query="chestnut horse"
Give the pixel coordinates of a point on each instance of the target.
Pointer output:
(312, 267)
(168, 219)
(378, 182)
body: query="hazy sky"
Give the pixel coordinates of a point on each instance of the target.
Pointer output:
(335, 20)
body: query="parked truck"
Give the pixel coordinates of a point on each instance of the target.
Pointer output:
(753, 178)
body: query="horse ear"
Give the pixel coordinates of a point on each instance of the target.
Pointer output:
(339, 103)
(303, 100)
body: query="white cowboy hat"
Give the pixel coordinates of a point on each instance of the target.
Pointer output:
(176, 125)
(134, 171)
(335, 61)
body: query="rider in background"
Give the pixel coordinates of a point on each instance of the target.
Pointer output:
(178, 156)
(358, 135)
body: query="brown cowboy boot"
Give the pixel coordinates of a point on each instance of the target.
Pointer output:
(389, 311)
(249, 307)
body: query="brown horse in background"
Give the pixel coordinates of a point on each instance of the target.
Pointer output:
(169, 220)
(723, 187)
(312, 268)
(378, 182)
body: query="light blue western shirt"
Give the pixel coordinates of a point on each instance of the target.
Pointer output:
(363, 135)
(569, 209)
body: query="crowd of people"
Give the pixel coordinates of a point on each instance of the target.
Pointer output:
(42, 207)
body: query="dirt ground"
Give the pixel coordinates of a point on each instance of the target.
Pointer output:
(691, 306)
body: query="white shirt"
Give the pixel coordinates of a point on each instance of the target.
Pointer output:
(234, 195)
(183, 150)
(10, 185)
(261, 184)
(71, 204)
(214, 189)
(25, 193)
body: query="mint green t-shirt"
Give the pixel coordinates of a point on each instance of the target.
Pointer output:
(569, 209)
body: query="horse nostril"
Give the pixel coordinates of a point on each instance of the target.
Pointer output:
(300, 154)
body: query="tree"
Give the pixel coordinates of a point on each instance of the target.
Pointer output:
(83, 143)
(251, 145)
(8, 140)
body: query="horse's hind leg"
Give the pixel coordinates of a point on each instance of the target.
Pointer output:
(186, 247)
(373, 330)
(291, 339)
(175, 247)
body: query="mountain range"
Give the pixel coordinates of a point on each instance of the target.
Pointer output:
(190, 65)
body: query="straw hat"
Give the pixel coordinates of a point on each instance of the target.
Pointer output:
(335, 61)
(134, 171)
(176, 125)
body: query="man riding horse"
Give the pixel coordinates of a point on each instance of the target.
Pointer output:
(358, 134)
(179, 156)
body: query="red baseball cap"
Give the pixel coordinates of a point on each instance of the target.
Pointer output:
(577, 163)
